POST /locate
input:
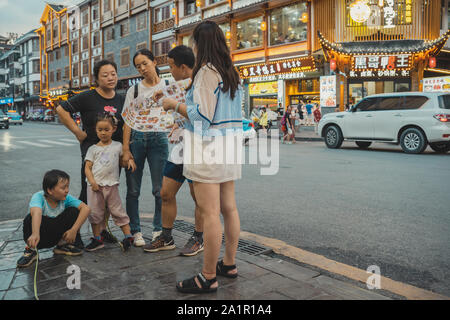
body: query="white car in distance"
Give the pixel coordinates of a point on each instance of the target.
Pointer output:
(411, 119)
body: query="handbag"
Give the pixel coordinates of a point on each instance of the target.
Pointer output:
(290, 131)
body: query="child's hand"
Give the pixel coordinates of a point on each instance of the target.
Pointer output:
(132, 165)
(95, 186)
(33, 240)
(70, 235)
(157, 95)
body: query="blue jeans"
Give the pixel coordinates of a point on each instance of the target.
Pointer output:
(152, 146)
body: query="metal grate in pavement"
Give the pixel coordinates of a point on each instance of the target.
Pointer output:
(245, 246)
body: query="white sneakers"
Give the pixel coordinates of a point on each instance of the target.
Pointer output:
(138, 240)
(156, 234)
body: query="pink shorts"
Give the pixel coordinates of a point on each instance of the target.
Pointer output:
(107, 195)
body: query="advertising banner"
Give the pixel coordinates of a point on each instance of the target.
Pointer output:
(328, 91)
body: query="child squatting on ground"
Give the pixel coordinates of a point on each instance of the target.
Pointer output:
(102, 175)
(55, 219)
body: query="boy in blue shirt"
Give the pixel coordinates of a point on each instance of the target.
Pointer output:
(55, 219)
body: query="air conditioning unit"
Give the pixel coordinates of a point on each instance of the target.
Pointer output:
(85, 80)
(76, 82)
(85, 55)
(75, 58)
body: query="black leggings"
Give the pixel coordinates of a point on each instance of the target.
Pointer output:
(52, 229)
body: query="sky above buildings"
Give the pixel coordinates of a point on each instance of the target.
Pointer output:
(21, 16)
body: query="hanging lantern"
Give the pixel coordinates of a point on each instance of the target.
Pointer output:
(174, 11)
(228, 35)
(263, 26)
(333, 64)
(432, 62)
(174, 45)
(198, 3)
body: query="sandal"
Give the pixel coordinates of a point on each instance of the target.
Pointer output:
(222, 270)
(190, 286)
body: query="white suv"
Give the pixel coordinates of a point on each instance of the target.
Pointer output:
(411, 119)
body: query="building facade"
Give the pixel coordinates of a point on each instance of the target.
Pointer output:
(10, 79)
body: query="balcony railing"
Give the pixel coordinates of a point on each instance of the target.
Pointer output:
(163, 25)
(161, 60)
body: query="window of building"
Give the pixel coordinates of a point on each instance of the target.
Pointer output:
(163, 13)
(124, 28)
(96, 39)
(141, 21)
(109, 33)
(85, 18)
(50, 56)
(125, 57)
(63, 25)
(55, 31)
(75, 46)
(75, 70)
(66, 72)
(57, 54)
(141, 45)
(289, 24)
(122, 2)
(226, 31)
(85, 68)
(35, 44)
(163, 47)
(109, 56)
(66, 51)
(58, 75)
(35, 66)
(36, 87)
(51, 76)
(249, 34)
(189, 7)
(106, 5)
(49, 34)
(84, 43)
(95, 14)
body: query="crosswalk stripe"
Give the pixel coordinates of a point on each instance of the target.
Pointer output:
(57, 142)
(8, 145)
(35, 144)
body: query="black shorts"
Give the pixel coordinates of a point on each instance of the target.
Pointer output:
(175, 172)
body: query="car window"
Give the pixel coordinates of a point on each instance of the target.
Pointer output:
(444, 101)
(367, 104)
(389, 103)
(412, 102)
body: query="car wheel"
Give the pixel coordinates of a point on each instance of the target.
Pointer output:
(363, 144)
(440, 147)
(333, 137)
(413, 140)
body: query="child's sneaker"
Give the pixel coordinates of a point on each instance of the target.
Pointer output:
(160, 244)
(29, 256)
(107, 237)
(94, 245)
(127, 243)
(139, 240)
(68, 250)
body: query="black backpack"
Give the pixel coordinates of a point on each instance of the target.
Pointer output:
(136, 93)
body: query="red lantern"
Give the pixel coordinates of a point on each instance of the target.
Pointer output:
(332, 64)
(432, 62)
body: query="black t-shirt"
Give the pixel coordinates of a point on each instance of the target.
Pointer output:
(89, 104)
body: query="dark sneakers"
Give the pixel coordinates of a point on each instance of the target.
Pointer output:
(94, 245)
(192, 247)
(29, 256)
(107, 237)
(127, 243)
(160, 244)
(68, 250)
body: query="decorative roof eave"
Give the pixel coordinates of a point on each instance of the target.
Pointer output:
(369, 47)
(52, 7)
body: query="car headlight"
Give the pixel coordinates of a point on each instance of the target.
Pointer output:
(5, 118)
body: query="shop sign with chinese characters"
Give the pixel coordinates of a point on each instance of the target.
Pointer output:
(368, 66)
(379, 13)
(283, 67)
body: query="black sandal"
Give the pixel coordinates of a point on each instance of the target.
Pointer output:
(222, 270)
(190, 286)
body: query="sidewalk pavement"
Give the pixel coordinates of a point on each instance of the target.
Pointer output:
(110, 274)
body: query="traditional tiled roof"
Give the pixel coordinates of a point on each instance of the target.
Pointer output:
(384, 47)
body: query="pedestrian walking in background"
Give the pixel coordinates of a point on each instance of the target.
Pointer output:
(292, 119)
(317, 117)
(214, 101)
(309, 116)
(89, 104)
(141, 146)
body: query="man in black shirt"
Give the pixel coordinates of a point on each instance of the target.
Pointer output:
(89, 104)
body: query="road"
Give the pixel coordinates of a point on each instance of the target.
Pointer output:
(362, 208)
